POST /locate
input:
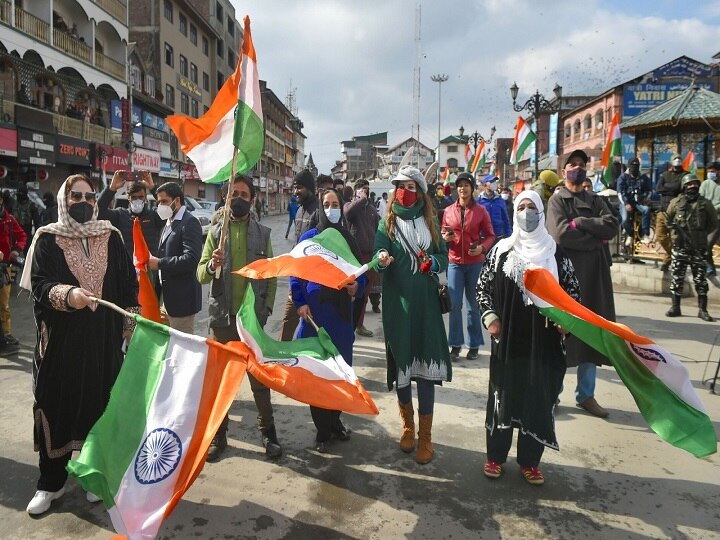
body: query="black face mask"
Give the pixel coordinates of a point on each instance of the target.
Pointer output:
(21, 197)
(81, 212)
(634, 170)
(239, 207)
(692, 194)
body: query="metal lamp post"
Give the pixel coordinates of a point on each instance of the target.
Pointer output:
(475, 138)
(439, 78)
(537, 105)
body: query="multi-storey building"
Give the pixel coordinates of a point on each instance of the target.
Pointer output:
(62, 63)
(360, 156)
(389, 161)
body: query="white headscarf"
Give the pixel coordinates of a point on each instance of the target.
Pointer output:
(65, 226)
(535, 248)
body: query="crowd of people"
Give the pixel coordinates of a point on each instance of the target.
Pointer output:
(80, 249)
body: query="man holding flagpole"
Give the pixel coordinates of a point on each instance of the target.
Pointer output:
(247, 241)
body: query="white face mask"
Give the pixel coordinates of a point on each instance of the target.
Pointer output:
(493, 186)
(137, 206)
(333, 214)
(505, 196)
(165, 211)
(712, 176)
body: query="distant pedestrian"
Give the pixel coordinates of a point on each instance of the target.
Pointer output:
(710, 190)
(544, 186)
(13, 241)
(293, 206)
(668, 187)
(50, 213)
(495, 206)
(527, 360)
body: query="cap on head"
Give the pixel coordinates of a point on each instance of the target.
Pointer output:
(689, 178)
(408, 172)
(676, 161)
(634, 161)
(549, 178)
(305, 179)
(467, 177)
(576, 153)
(489, 178)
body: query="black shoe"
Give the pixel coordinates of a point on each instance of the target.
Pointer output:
(270, 442)
(341, 433)
(218, 444)
(376, 309)
(455, 353)
(705, 316)
(321, 446)
(11, 340)
(673, 312)
(472, 354)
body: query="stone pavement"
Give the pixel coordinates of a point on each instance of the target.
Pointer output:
(611, 478)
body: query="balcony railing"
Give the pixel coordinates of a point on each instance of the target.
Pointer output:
(71, 45)
(114, 8)
(65, 125)
(40, 30)
(32, 25)
(108, 65)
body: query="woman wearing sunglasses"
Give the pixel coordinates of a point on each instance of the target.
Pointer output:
(78, 353)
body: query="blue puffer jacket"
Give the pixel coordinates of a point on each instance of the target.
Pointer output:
(498, 215)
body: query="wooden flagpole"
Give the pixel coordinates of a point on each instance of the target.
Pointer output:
(226, 213)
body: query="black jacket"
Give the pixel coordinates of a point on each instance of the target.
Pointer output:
(179, 253)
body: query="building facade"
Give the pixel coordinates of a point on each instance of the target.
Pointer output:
(360, 156)
(389, 161)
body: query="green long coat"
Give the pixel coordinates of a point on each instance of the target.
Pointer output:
(415, 338)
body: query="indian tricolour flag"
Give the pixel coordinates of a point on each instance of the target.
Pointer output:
(690, 163)
(149, 446)
(309, 370)
(659, 383)
(524, 137)
(325, 258)
(613, 147)
(478, 159)
(235, 120)
(148, 300)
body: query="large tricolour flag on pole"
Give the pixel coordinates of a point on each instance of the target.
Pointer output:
(149, 446)
(524, 137)
(690, 164)
(613, 147)
(148, 300)
(309, 370)
(325, 258)
(478, 159)
(659, 383)
(235, 119)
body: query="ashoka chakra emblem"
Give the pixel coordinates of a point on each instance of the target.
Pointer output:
(158, 456)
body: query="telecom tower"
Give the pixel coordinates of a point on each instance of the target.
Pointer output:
(416, 84)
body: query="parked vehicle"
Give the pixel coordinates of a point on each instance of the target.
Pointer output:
(203, 215)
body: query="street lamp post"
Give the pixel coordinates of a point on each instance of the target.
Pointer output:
(537, 105)
(475, 138)
(439, 78)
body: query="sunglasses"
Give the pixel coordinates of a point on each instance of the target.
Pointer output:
(77, 196)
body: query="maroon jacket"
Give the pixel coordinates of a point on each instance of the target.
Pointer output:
(12, 236)
(474, 226)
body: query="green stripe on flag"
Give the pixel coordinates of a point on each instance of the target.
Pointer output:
(320, 347)
(334, 241)
(113, 441)
(249, 137)
(665, 412)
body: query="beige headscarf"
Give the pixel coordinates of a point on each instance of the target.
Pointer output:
(65, 226)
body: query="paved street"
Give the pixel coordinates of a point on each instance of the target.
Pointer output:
(611, 479)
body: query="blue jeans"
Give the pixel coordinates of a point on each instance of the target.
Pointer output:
(585, 388)
(462, 280)
(628, 223)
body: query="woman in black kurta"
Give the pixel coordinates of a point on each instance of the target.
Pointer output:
(78, 353)
(527, 358)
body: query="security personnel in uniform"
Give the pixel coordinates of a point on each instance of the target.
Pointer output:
(691, 218)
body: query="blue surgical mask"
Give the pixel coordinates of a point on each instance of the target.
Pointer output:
(712, 176)
(333, 214)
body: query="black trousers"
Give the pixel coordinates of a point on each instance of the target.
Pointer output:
(529, 451)
(326, 421)
(52, 470)
(261, 393)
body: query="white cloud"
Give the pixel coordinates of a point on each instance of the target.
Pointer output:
(352, 62)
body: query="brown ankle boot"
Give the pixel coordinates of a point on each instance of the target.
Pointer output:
(424, 452)
(407, 439)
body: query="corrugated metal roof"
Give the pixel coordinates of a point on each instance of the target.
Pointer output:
(693, 105)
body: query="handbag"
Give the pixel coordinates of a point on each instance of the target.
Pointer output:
(443, 291)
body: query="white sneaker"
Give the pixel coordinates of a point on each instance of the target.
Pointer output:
(646, 239)
(628, 241)
(91, 497)
(40, 503)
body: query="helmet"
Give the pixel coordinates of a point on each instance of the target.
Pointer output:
(687, 179)
(549, 178)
